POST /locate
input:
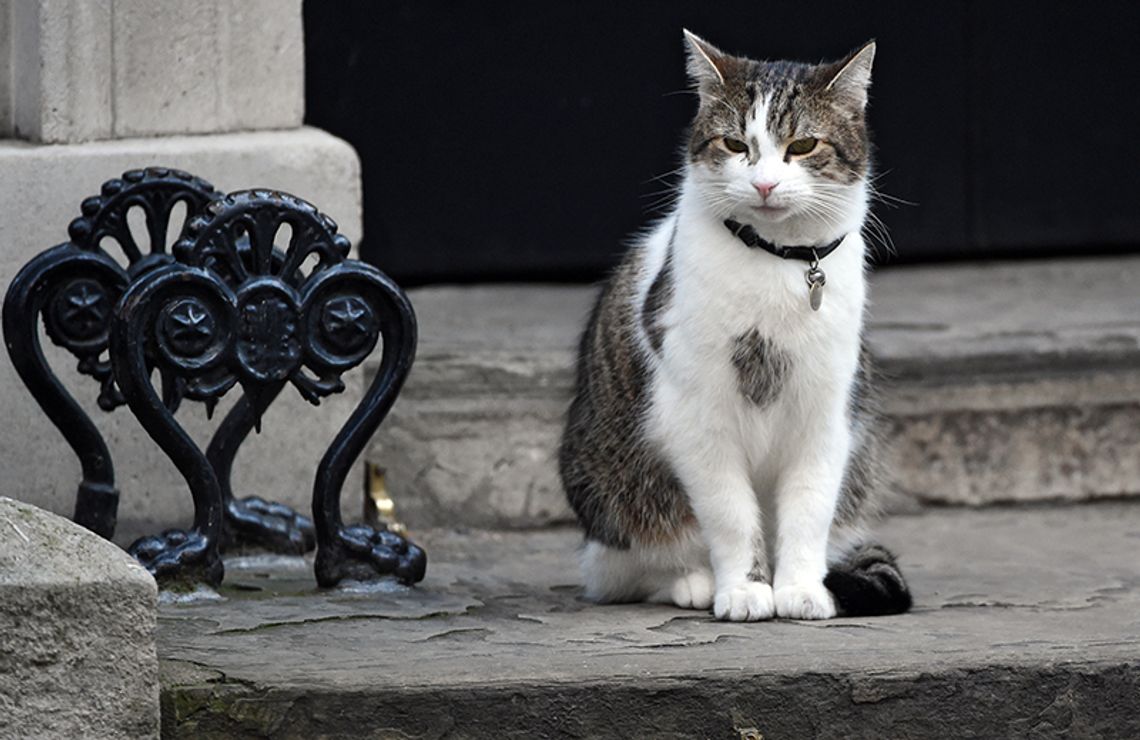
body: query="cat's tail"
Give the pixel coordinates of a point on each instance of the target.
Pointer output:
(868, 583)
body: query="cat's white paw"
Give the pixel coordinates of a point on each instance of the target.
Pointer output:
(804, 601)
(693, 591)
(748, 602)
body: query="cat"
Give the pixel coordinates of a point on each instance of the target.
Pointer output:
(724, 419)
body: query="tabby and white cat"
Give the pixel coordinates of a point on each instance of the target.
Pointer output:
(722, 420)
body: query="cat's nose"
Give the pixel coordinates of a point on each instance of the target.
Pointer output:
(765, 188)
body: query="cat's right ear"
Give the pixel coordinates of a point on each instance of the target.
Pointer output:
(706, 63)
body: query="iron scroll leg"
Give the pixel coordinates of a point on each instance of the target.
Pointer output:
(80, 289)
(362, 552)
(253, 520)
(175, 555)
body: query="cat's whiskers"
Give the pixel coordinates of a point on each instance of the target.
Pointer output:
(878, 233)
(827, 203)
(884, 198)
(663, 177)
(667, 197)
(705, 95)
(720, 202)
(829, 215)
(873, 227)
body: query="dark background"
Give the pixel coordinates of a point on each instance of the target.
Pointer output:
(518, 140)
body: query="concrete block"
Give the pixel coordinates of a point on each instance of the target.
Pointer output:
(206, 67)
(263, 77)
(77, 632)
(92, 69)
(6, 64)
(41, 191)
(1003, 382)
(61, 70)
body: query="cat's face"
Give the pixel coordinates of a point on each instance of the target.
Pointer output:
(777, 142)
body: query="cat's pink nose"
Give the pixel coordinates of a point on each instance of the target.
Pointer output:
(765, 188)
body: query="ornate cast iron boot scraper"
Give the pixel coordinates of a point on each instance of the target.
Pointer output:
(223, 307)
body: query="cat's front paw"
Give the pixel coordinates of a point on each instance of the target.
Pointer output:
(693, 591)
(747, 602)
(804, 601)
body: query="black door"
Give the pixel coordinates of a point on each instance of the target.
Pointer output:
(520, 140)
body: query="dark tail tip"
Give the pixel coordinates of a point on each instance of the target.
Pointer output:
(869, 584)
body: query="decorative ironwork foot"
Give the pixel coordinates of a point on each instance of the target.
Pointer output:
(178, 555)
(267, 524)
(363, 553)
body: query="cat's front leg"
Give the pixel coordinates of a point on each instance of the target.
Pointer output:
(729, 519)
(707, 457)
(806, 500)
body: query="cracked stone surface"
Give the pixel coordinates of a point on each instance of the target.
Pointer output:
(1027, 623)
(1007, 382)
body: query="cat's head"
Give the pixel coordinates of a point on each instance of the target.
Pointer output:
(780, 144)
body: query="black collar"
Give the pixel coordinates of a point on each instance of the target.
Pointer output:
(748, 235)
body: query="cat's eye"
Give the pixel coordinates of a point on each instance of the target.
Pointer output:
(736, 146)
(802, 146)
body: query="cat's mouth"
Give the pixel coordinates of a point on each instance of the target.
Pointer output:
(771, 210)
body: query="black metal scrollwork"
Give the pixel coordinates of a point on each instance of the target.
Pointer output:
(74, 287)
(232, 310)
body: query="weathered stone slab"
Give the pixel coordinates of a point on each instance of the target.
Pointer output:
(77, 632)
(1005, 382)
(1021, 628)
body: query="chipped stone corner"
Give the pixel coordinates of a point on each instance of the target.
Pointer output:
(77, 629)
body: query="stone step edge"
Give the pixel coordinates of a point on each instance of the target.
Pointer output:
(991, 698)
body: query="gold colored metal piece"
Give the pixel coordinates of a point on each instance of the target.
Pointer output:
(379, 508)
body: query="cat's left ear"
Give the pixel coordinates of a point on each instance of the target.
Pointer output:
(706, 63)
(853, 77)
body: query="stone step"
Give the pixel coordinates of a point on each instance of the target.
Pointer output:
(1021, 628)
(1006, 382)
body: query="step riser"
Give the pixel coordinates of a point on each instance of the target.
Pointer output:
(473, 440)
(988, 701)
(1068, 438)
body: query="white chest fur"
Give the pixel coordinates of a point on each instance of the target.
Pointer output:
(722, 291)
